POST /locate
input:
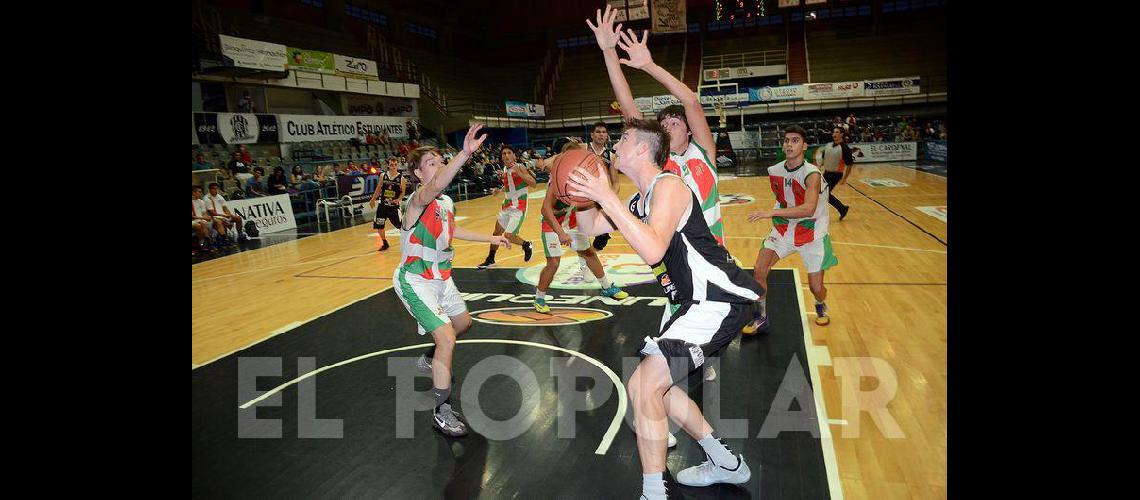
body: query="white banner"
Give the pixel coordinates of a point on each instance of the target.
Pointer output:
(785, 93)
(871, 152)
(272, 213)
(297, 128)
(661, 102)
(356, 68)
(892, 86)
(669, 16)
(644, 104)
(254, 54)
(381, 106)
(710, 99)
(535, 111)
(833, 90)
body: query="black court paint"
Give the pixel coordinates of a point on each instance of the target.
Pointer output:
(369, 461)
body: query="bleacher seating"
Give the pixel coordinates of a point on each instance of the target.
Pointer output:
(899, 46)
(583, 78)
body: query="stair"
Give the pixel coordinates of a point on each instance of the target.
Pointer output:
(797, 54)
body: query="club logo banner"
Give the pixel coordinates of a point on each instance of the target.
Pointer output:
(297, 128)
(235, 128)
(355, 67)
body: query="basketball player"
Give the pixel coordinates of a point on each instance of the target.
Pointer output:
(690, 138)
(423, 282)
(600, 145)
(833, 157)
(391, 186)
(560, 227)
(217, 207)
(711, 297)
(799, 223)
(516, 183)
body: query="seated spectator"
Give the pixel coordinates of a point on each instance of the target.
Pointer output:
(239, 169)
(216, 206)
(278, 183)
(301, 180)
(256, 185)
(201, 220)
(325, 173)
(351, 168)
(297, 175)
(245, 156)
(200, 163)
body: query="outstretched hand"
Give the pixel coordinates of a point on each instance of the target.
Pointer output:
(638, 51)
(759, 215)
(605, 31)
(500, 241)
(470, 143)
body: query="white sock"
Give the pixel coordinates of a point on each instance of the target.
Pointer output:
(539, 294)
(763, 306)
(653, 485)
(718, 452)
(605, 282)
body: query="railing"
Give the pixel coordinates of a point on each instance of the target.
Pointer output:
(757, 58)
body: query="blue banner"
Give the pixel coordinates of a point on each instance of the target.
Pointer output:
(516, 109)
(936, 150)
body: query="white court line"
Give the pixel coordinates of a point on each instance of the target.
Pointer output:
(837, 421)
(833, 242)
(602, 448)
(290, 326)
(826, 443)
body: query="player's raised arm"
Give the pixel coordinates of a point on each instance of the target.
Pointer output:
(607, 36)
(640, 58)
(435, 186)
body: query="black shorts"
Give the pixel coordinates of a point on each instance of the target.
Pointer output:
(696, 332)
(386, 212)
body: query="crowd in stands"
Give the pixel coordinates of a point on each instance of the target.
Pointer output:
(877, 129)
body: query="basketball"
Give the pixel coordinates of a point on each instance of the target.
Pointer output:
(560, 175)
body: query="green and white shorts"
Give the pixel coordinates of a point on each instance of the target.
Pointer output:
(817, 255)
(431, 302)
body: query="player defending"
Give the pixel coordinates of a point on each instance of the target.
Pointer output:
(423, 282)
(516, 183)
(799, 223)
(712, 298)
(392, 186)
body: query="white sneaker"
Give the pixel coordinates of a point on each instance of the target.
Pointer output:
(708, 473)
(672, 440)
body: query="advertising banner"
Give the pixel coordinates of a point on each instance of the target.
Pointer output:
(297, 128)
(271, 213)
(313, 61)
(871, 152)
(892, 86)
(235, 128)
(254, 54)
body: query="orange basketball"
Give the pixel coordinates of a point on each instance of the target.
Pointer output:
(560, 172)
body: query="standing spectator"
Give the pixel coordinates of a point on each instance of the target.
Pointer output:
(278, 183)
(200, 163)
(216, 205)
(239, 169)
(256, 185)
(245, 155)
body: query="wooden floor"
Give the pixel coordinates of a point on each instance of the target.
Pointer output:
(887, 299)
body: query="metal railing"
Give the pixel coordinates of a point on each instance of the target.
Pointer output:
(742, 59)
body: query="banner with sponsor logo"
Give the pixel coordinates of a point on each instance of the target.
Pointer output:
(359, 187)
(870, 152)
(381, 106)
(313, 61)
(784, 93)
(254, 54)
(936, 150)
(516, 109)
(661, 102)
(669, 16)
(355, 67)
(297, 128)
(235, 128)
(535, 111)
(832, 90)
(644, 104)
(892, 86)
(271, 213)
(711, 96)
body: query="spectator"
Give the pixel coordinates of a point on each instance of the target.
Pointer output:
(942, 131)
(930, 133)
(245, 155)
(256, 185)
(200, 163)
(851, 122)
(239, 169)
(303, 181)
(245, 104)
(200, 220)
(278, 183)
(297, 175)
(216, 206)
(325, 173)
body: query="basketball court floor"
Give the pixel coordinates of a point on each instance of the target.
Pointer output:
(303, 385)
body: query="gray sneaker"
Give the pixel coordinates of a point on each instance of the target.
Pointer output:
(423, 364)
(448, 422)
(708, 473)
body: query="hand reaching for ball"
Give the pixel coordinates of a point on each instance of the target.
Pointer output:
(597, 188)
